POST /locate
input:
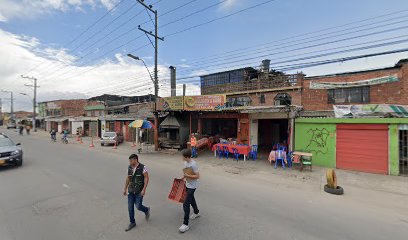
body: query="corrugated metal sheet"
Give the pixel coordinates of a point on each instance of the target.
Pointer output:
(362, 147)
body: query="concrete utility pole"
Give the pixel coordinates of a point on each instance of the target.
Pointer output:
(156, 80)
(11, 103)
(34, 86)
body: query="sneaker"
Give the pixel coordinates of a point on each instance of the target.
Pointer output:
(184, 228)
(147, 215)
(132, 225)
(194, 216)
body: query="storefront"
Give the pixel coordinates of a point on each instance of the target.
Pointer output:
(374, 145)
(271, 125)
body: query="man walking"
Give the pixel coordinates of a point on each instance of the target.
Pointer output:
(191, 176)
(135, 188)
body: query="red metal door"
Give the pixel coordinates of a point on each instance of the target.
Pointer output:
(362, 147)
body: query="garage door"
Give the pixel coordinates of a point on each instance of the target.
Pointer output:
(362, 147)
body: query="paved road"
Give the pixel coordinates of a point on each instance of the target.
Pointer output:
(72, 192)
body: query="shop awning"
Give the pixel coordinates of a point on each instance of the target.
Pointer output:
(56, 119)
(170, 122)
(271, 109)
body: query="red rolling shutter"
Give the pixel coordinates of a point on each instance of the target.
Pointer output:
(362, 147)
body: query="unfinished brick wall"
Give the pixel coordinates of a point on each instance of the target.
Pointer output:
(388, 93)
(270, 97)
(74, 108)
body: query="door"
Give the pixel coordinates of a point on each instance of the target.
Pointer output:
(254, 132)
(362, 147)
(403, 152)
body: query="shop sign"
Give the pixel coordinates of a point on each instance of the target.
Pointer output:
(53, 105)
(369, 82)
(203, 103)
(170, 103)
(350, 111)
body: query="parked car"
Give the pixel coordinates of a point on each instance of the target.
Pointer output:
(11, 124)
(110, 138)
(10, 152)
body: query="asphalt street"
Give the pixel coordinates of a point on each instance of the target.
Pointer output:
(73, 192)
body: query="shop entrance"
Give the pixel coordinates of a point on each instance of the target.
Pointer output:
(403, 152)
(223, 127)
(271, 132)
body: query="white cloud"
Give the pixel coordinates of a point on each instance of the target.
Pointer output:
(229, 4)
(32, 8)
(59, 77)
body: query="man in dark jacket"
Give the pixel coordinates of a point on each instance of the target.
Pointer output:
(135, 189)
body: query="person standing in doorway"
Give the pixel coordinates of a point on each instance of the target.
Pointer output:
(191, 186)
(135, 188)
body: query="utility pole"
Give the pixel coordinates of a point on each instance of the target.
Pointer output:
(11, 103)
(34, 86)
(156, 79)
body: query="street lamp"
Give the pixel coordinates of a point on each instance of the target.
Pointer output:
(11, 105)
(139, 59)
(156, 93)
(25, 94)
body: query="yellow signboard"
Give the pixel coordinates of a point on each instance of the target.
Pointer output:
(203, 102)
(170, 103)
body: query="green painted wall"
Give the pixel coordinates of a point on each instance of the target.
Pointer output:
(353, 120)
(319, 139)
(305, 132)
(393, 156)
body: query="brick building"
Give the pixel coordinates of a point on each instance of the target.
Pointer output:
(370, 131)
(377, 86)
(56, 114)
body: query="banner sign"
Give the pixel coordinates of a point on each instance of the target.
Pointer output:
(369, 82)
(170, 103)
(370, 110)
(203, 103)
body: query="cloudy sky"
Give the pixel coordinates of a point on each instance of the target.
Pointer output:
(78, 48)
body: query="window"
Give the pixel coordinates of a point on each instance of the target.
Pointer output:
(283, 99)
(96, 113)
(262, 98)
(89, 114)
(349, 95)
(238, 101)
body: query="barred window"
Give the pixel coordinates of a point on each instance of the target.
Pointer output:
(349, 95)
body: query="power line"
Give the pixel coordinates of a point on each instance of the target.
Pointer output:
(314, 45)
(263, 49)
(308, 33)
(220, 18)
(83, 32)
(208, 22)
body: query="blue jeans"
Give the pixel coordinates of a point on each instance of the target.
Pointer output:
(135, 199)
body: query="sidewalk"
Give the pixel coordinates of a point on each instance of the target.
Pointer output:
(261, 170)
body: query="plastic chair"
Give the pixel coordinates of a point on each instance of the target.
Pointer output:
(236, 153)
(280, 156)
(219, 151)
(254, 152)
(226, 151)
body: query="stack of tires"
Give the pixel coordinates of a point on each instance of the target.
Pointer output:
(331, 186)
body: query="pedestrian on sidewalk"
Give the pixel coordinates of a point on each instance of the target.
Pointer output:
(191, 186)
(135, 189)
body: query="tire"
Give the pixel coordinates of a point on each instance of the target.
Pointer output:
(335, 191)
(331, 178)
(102, 144)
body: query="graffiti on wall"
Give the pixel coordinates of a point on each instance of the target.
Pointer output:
(318, 140)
